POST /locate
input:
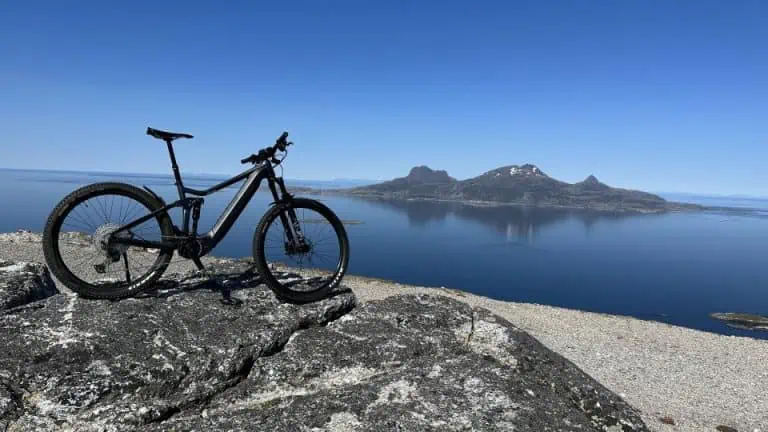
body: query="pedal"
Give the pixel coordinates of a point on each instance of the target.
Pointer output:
(227, 298)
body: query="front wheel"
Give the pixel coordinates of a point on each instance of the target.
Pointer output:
(301, 250)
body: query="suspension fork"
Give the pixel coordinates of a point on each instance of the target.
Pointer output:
(290, 222)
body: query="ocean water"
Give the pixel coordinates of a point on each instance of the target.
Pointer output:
(675, 268)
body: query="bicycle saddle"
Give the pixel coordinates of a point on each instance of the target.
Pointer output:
(166, 136)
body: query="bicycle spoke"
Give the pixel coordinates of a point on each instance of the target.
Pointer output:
(111, 205)
(120, 215)
(90, 221)
(103, 209)
(127, 218)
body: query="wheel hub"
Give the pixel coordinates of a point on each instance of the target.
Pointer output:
(297, 248)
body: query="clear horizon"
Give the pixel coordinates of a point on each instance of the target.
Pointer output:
(224, 176)
(650, 96)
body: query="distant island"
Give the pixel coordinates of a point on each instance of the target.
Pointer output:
(515, 185)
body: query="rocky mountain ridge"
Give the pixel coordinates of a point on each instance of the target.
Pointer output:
(523, 184)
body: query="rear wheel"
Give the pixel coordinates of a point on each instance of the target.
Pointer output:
(77, 250)
(301, 250)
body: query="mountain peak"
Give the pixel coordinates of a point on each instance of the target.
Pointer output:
(592, 183)
(425, 174)
(525, 170)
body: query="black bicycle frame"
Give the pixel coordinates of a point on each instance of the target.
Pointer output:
(253, 178)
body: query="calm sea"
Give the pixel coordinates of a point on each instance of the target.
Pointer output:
(675, 268)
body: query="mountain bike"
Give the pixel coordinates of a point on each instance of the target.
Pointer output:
(98, 226)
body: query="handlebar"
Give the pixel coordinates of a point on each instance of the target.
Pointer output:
(268, 152)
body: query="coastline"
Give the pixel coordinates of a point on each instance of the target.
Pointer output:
(697, 379)
(672, 206)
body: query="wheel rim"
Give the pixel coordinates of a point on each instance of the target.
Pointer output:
(80, 240)
(309, 266)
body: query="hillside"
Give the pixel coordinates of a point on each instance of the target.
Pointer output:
(515, 184)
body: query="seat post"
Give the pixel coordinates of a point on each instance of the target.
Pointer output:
(175, 166)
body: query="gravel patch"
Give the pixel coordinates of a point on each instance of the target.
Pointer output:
(696, 380)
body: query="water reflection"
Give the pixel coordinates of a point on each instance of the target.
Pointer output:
(514, 222)
(420, 213)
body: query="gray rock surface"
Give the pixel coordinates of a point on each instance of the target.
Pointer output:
(74, 364)
(177, 359)
(22, 283)
(414, 363)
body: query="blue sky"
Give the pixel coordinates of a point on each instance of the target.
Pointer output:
(655, 95)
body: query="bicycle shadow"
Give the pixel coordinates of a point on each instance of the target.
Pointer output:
(231, 282)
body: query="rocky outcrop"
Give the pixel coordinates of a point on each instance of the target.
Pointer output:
(424, 174)
(415, 363)
(591, 183)
(22, 283)
(105, 365)
(177, 359)
(421, 181)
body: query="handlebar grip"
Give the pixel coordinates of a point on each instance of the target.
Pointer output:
(246, 160)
